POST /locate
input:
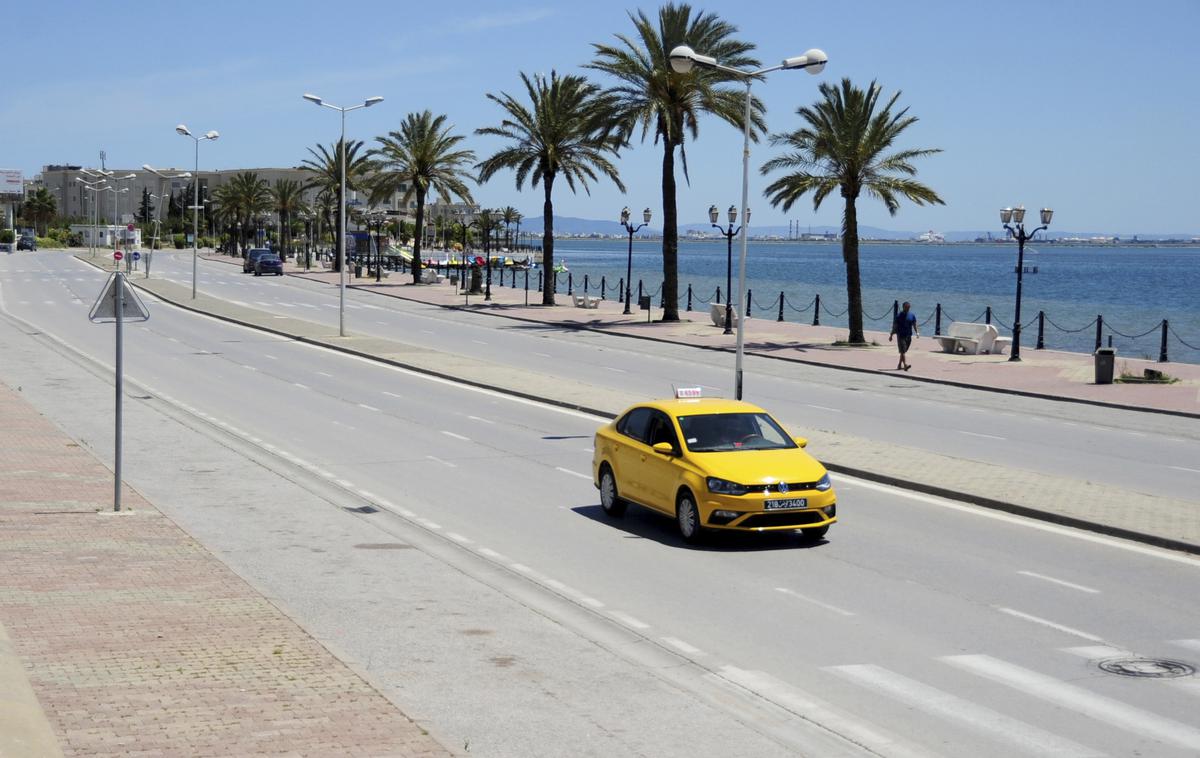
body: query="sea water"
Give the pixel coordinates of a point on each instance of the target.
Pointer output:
(1133, 287)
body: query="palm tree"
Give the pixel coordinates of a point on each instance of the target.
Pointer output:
(420, 158)
(243, 198)
(842, 147)
(288, 197)
(650, 95)
(326, 168)
(563, 130)
(509, 216)
(40, 208)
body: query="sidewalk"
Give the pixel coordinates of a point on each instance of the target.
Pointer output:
(137, 641)
(1119, 511)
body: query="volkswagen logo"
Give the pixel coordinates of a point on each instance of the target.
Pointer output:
(783, 487)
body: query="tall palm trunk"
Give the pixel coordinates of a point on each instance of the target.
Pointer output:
(339, 232)
(420, 221)
(548, 274)
(853, 280)
(670, 241)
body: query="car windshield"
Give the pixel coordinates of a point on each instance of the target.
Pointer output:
(719, 432)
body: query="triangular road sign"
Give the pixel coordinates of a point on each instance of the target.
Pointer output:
(105, 308)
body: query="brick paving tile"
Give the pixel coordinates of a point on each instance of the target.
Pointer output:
(138, 642)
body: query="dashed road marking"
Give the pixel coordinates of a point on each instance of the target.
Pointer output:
(1047, 623)
(572, 473)
(439, 460)
(980, 434)
(628, 620)
(814, 601)
(456, 436)
(1062, 582)
(368, 407)
(682, 646)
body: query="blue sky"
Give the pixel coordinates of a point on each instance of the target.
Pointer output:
(1091, 107)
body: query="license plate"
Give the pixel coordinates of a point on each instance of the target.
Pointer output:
(795, 502)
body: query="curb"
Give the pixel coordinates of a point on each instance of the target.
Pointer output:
(966, 497)
(24, 727)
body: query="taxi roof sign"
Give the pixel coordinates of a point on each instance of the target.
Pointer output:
(687, 393)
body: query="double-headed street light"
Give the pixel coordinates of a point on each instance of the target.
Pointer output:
(211, 135)
(729, 233)
(92, 187)
(683, 59)
(1013, 220)
(158, 207)
(631, 230)
(342, 202)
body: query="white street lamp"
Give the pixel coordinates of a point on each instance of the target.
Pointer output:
(683, 59)
(211, 135)
(158, 207)
(342, 203)
(91, 187)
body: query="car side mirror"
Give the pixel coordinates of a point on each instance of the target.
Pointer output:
(664, 447)
(801, 441)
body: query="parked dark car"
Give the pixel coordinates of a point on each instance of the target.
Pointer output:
(268, 264)
(252, 256)
(26, 243)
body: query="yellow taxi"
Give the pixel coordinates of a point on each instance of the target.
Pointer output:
(712, 464)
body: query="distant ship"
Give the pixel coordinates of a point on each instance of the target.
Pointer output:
(932, 236)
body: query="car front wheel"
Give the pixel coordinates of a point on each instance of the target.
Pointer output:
(612, 504)
(687, 516)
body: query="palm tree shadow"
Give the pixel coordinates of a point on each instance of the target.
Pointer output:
(642, 523)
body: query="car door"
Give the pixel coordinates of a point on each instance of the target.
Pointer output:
(629, 450)
(660, 472)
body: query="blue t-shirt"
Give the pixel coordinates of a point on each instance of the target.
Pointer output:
(904, 324)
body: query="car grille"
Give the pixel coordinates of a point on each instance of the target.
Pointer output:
(795, 518)
(791, 487)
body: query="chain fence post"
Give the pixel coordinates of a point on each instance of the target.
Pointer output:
(689, 305)
(1162, 350)
(1041, 343)
(1099, 330)
(780, 306)
(541, 280)
(640, 294)
(603, 287)
(987, 315)
(749, 302)
(937, 320)
(718, 298)
(817, 310)
(570, 283)
(526, 285)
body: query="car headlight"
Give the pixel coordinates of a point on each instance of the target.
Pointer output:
(725, 487)
(824, 483)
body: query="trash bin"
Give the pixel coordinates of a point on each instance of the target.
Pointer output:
(1106, 359)
(357, 270)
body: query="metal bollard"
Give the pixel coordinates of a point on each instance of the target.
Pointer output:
(603, 288)
(749, 302)
(1099, 330)
(640, 295)
(526, 285)
(1041, 341)
(689, 305)
(718, 297)
(817, 310)
(987, 315)
(540, 281)
(780, 307)
(585, 285)
(937, 320)
(895, 310)
(1162, 350)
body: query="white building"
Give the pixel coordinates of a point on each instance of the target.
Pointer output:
(106, 234)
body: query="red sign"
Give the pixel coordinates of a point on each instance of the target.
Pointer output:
(117, 255)
(129, 228)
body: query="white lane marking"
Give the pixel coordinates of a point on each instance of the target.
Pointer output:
(392, 394)
(520, 567)
(479, 342)
(1094, 652)
(1043, 526)
(1079, 700)
(1185, 468)
(243, 365)
(459, 538)
(322, 373)
(824, 408)
(593, 602)
(439, 460)
(1062, 582)
(628, 620)
(476, 418)
(456, 436)
(301, 386)
(814, 601)
(573, 473)
(682, 646)
(171, 339)
(428, 524)
(979, 434)
(368, 407)
(380, 323)
(487, 551)
(1047, 623)
(269, 356)
(542, 355)
(807, 706)
(426, 331)
(616, 370)
(913, 694)
(1136, 434)
(344, 483)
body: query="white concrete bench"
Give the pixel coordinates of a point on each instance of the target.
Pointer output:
(972, 339)
(999, 344)
(585, 301)
(716, 311)
(429, 276)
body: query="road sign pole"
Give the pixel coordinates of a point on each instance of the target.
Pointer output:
(120, 392)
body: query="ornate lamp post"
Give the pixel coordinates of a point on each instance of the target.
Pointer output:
(1017, 229)
(683, 58)
(631, 230)
(729, 233)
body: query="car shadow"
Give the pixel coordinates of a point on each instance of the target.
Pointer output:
(642, 523)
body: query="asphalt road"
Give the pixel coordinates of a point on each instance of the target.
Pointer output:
(525, 622)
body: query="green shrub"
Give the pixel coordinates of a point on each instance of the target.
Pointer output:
(6, 235)
(179, 241)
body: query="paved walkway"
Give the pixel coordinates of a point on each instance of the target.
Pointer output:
(138, 642)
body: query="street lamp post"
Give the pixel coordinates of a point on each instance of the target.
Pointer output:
(158, 207)
(91, 187)
(210, 135)
(342, 202)
(729, 234)
(1017, 229)
(683, 58)
(631, 230)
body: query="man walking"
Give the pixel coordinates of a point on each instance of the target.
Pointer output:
(904, 327)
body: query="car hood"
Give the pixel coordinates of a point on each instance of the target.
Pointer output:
(761, 466)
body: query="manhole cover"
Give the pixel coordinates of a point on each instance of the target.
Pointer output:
(1151, 668)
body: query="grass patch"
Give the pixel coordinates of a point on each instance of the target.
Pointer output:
(1148, 376)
